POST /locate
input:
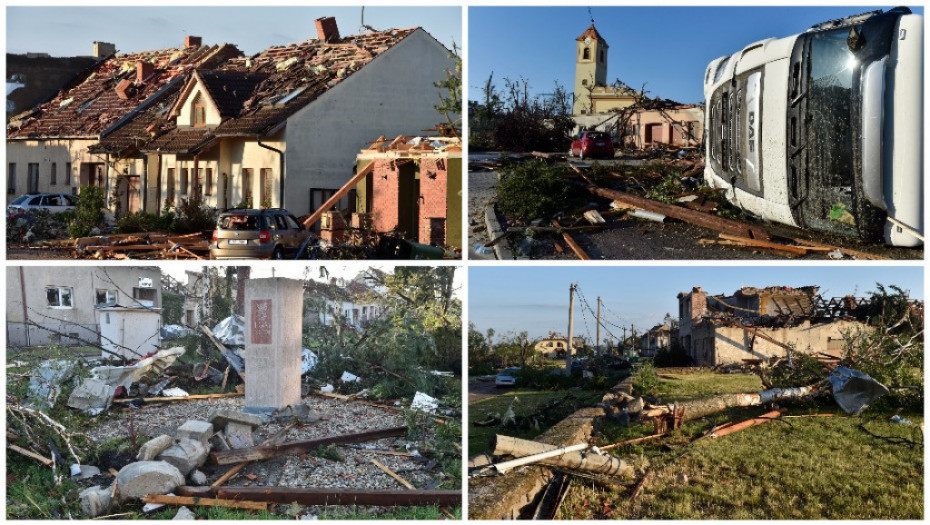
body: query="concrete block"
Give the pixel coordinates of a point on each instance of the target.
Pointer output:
(185, 514)
(220, 417)
(138, 480)
(196, 430)
(239, 435)
(95, 501)
(273, 335)
(218, 442)
(154, 447)
(185, 455)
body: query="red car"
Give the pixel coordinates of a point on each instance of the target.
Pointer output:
(592, 144)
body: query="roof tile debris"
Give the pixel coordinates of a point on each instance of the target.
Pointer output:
(112, 90)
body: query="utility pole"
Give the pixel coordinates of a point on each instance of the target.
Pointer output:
(597, 349)
(633, 337)
(571, 325)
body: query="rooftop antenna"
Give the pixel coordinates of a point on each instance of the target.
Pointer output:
(368, 27)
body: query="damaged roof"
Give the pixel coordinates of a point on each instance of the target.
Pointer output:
(112, 90)
(259, 93)
(592, 33)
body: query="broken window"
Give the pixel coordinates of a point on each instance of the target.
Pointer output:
(144, 294)
(54, 174)
(199, 113)
(105, 297)
(208, 182)
(32, 180)
(11, 179)
(170, 191)
(247, 184)
(59, 297)
(184, 182)
(265, 177)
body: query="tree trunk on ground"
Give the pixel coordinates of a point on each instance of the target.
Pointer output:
(698, 408)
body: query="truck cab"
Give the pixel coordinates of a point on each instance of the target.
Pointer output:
(824, 129)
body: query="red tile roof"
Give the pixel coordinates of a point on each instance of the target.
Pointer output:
(91, 104)
(592, 33)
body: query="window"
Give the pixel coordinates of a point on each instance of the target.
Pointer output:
(105, 297)
(67, 179)
(32, 182)
(59, 297)
(184, 182)
(265, 176)
(199, 113)
(54, 174)
(208, 182)
(11, 179)
(144, 294)
(189, 317)
(586, 54)
(170, 192)
(247, 183)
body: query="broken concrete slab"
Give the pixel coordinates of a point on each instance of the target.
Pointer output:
(185, 455)
(218, 442)
(219, 417)
(92, 396)
(302, 413)
(184, 513)
(138, 480)
(239, 435)
(96, 500)
(153, 447)
(196, 430)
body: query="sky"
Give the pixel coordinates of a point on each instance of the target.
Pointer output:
(71, 31)
(667, 48)
(512, 299)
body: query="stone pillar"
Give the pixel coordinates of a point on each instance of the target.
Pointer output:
(273, 331)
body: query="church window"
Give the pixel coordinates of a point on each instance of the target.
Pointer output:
(587, 54)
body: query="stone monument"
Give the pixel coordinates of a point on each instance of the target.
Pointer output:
(274, 311)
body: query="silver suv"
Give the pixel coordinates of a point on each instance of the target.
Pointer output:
(257, 234)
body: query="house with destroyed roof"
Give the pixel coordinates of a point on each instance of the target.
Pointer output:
(762, 323)
(283, 128)
(342, 302)
(53, 146)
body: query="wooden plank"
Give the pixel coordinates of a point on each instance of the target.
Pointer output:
(846, 251)
(205, 502)
(228, 457)
(570, 241)
(334, 496)
(796, 250)
(393, 474)
(179, 398)
(30, 454)
(311, 220)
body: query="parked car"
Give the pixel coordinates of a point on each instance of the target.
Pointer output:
(506, 377)
(52, 202)
(257, 234)
(592, 144)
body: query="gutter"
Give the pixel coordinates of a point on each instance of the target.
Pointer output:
(280, 168)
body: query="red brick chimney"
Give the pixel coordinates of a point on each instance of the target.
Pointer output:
(326, 29)
(122, 88)
(143, 71)
(192, 41)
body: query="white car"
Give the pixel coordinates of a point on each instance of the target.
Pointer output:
(52, 202)
(506, 377)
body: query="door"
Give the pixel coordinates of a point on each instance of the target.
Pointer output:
(653, 133)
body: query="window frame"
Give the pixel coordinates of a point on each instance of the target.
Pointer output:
(60, 296)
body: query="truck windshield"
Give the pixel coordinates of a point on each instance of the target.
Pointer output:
(829, 133)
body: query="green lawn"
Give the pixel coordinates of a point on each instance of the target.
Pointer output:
(797, 468)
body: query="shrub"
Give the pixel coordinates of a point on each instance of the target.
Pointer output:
(144, 222)
(645, 380)
(532, 190)
(88, 214)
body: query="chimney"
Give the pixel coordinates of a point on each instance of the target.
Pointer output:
(143, 71)
(122, 88)
(103, 49)
(192, 41)
(326, 29)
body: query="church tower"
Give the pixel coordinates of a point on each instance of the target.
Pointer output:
(590, 68)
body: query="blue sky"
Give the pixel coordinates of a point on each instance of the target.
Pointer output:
(70, 31)
(668, 48)
(535, 299)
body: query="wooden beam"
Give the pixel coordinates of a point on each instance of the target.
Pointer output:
(180, 398)
(335, 496)
(393, 474)
(796, 250)
(205, 502)
(570, 241)
(311, 220)
(228, 457)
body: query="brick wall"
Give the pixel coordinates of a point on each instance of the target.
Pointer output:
(385, 184)
(433, 191)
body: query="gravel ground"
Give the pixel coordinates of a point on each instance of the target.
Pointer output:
(481, 193)
(337, 417)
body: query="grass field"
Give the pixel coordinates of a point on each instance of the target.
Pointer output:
(797, 468)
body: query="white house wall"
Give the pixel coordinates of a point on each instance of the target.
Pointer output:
(394, 94)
